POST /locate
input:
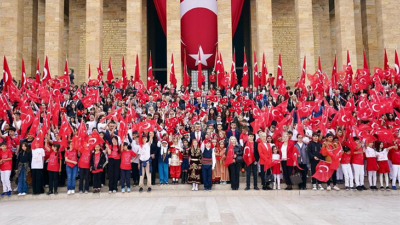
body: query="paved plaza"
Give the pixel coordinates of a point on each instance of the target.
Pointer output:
(205, 208)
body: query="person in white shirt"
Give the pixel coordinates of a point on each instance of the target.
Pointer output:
(382, 157)
(135, 163)
(37, 168)
(207, 164)
(144, 164)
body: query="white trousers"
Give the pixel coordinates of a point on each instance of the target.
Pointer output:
(395, 174)
(358, 174)
(348, 175)
(372, 178)
(5, 179)
(339, 173)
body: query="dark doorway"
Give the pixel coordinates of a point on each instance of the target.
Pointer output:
(241, 40)
(156, 44)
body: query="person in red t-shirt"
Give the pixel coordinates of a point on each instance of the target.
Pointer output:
(5, 169)
(97, 161)
(126, 167)
(84, 166)
(54, 168)
(71, 159)
(357, 161)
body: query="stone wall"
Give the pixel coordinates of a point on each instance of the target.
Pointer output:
(114, 35)
(284, 33)
(76, 39)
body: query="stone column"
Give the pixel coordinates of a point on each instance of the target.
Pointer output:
(345, 33)
(225, 32)
(263, 34)
(368, 13)
(11, 34)
(174, 39)
(134, 38)
(40, 31)
(387, 28)
(30, 36)
(359, 36)
(305, 35)
(94, 36)
(54, 36)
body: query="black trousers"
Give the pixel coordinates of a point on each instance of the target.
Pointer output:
(262, 174)
(97, 180)
(113, 173)
(45, 175)
(53, 181)
(333, 178)
(313, 166)
(135, 173)
(251, 169)
(287, 171)
(154, 165)
(63, 175)
(83, 176)
(37, 181)
(234, 170)
(303, 173)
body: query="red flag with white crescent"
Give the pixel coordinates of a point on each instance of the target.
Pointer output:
(334, 79)
(323, 171)
(172, 78)
(255, 72)
(124, 76)
(302, 80)
(199, 72)
(233, 71)
(186, 78)
(264, 72)
(46, 71)
(221, 71)
(396, 68)
(99, 73)
(279, 74)
(245, 77)
(149, 74)
(110, 74)
(137, 71)
(23, 75)
(248, 153)
(386, 63)
(37, 72)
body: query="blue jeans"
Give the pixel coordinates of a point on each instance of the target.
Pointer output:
(71, 176)
(206, 171)
(22, 185)
(163, 171)
(125, 178)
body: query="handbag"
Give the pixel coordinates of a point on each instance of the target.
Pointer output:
(269, 177)
(295, 178)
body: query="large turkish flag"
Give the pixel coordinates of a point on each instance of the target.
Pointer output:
(199, 28)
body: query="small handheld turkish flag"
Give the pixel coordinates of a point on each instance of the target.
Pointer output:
(323, 171)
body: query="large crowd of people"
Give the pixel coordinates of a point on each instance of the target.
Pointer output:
(108, 133)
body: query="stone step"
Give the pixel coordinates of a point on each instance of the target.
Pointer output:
(201, 193)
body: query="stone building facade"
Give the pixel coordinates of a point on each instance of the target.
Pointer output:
(86, 31)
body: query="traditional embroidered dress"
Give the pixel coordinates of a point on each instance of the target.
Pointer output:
(194, 166)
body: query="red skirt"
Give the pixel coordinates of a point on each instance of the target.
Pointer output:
(276, 169)
(372, 165)
(383, 167)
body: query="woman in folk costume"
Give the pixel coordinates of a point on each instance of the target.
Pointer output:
(194, 165)
(175, 160)
(234, 160)
(220, 168)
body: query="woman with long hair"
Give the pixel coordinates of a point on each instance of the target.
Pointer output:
(234, 155)
(194, 165)
(114, 160)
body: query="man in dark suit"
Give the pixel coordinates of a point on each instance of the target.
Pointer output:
(110, 132)
(233, 132)
(253, 94)
(197, 134)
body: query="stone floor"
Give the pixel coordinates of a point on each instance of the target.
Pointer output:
(224, 208)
